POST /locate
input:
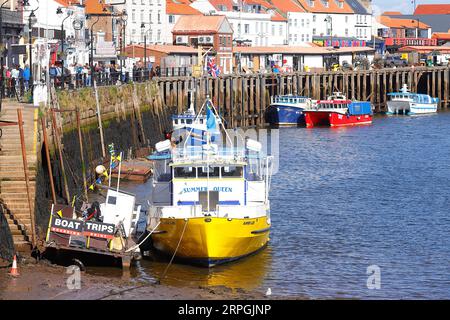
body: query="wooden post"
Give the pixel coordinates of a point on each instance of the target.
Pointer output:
(83, 164)
(99, 117)
(25, 171)
(49, 162)
(61, 160)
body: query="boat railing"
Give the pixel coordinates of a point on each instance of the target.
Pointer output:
(196, 210)
(200, 153)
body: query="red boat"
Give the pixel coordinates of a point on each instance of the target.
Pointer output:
(338, 111)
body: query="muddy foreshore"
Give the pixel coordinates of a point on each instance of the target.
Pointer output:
(46, 281)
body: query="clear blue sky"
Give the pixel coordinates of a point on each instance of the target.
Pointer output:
(404, 6)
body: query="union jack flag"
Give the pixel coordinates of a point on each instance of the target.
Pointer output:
(212, 68)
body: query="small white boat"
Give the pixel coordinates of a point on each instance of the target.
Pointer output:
(409, 103)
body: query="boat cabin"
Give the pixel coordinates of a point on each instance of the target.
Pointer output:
(290, 99)
(209, 181)
(412, 97)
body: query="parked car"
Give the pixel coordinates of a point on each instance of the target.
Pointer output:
(395, 61)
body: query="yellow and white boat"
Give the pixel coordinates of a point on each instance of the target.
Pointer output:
(210, 204)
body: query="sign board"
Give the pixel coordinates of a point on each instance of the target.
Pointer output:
(86, 228)
(67, 226)
(197, 71)
(98, 230)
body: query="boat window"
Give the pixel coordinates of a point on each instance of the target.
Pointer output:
(213, 172)
(112, 200)
(189, 121)
(175, 121)
(182, 120)
(232, 171)
(185, 172)
(201, 121)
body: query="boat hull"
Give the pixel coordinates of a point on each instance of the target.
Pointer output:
(408, 107)
(285, 115)
(335, 119)
(209, 241)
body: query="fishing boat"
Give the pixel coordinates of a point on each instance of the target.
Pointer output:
(408, 103)
(210, 204)
(338, 111)
(287, 110)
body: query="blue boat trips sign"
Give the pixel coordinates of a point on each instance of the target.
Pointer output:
(85, 228)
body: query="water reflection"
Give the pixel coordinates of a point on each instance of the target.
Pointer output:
(248, 273)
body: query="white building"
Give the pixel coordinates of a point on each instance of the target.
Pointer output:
(363, 19)
(50, 16)
(146, 17)
(256, 23)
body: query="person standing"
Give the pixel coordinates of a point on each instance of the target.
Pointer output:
(15, 80)
(26, 77)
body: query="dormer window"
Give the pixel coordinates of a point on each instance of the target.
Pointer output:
(326, 3)
(340, 3)
(311, 3)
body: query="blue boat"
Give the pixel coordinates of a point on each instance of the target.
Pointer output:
(287, 110)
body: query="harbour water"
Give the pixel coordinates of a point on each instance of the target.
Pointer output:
(343, 200)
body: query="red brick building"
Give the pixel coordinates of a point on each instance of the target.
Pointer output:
(210, 32)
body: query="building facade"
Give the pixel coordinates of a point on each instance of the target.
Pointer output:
(212, 33)
(147, 17)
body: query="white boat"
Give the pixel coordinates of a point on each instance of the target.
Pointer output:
(409, 103)
(210, 204)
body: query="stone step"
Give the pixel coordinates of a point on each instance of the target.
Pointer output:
(20, 226)
(17, 176)
(23, 247)
(9, 183)
(17, 189)
(5, 162)
(7, 197)
(5, 158)
(19, 208)
(18, 238)
(15, 231)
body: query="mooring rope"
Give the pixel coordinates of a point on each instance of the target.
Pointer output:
(174, 253)
(138, 245)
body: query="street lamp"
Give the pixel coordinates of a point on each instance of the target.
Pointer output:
(91, 56)
(123, 22)
(59, 12)
(31, 20)
(145, 43)
(330, 21)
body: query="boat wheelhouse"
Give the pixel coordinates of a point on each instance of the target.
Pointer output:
(209, 204)
(408, 103)
(287, 110)
(338, 111)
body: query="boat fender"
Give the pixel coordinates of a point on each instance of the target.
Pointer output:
(79, 264)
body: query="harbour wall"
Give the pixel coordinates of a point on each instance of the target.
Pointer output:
(133, 118)
(243, 98)
(6, 240)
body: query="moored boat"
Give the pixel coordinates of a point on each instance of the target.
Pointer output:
(338, 111)
(287, 110)
(209, 204)
(408, 103)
